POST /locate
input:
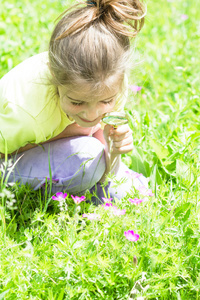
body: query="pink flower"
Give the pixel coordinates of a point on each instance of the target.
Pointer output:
(59, 196)
(136, 201)
(135, 88)
(131, 236)
(107, 199)
(77, 199)
(108, 205)
(132, 174)
(184, 17)
(91, 216)
(118, 212)
(145, 191)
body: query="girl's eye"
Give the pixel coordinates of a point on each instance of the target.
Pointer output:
(77, 103)
(108, 102)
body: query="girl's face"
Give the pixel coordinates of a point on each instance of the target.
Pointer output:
(86, 108)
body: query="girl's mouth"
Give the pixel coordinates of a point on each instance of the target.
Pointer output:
(87, 121)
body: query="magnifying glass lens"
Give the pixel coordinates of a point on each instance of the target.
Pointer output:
(115, 119)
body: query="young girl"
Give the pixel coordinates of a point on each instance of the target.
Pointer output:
(52, 104)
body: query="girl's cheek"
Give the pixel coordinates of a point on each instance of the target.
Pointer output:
(75, 108)
(108, 107)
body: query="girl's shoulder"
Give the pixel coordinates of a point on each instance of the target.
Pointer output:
(28, 85)
(28, 70)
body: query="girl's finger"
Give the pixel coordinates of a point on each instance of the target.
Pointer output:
(108, 129)
(122, 129)
(120, 137)
(124, 142)
(123, 150)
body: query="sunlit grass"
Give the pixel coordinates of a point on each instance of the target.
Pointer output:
(48, 253)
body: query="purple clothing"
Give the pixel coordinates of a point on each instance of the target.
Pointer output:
(76, 164)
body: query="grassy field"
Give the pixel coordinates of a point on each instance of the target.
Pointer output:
(49, 251)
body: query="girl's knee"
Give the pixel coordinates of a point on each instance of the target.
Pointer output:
(76, 163)
(87, 164)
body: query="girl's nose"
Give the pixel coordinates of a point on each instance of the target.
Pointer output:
(92, 113)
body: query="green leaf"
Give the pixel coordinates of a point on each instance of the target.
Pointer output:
(156, 178)
(139, 163)
(159, 149)
(3, 294)
(182, 209)
(184, 171)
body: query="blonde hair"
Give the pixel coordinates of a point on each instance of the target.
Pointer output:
(91, 43)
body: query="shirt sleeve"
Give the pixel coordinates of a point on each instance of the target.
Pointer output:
(12, 133)
(29, 106)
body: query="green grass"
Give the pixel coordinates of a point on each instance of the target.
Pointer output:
(46, 253)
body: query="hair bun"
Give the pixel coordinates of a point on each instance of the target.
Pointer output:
(123, 16)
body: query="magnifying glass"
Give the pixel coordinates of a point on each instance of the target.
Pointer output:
(115, 119)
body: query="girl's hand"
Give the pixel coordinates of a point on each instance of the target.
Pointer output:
(122, 140)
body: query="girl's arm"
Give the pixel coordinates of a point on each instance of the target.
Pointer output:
(71, 130)
(99, 136)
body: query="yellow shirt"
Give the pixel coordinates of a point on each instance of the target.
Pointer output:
(30, 109)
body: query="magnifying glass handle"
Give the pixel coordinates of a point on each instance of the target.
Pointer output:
(110, 163)
(110, 146)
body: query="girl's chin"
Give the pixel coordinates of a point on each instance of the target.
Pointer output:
(86, 125)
